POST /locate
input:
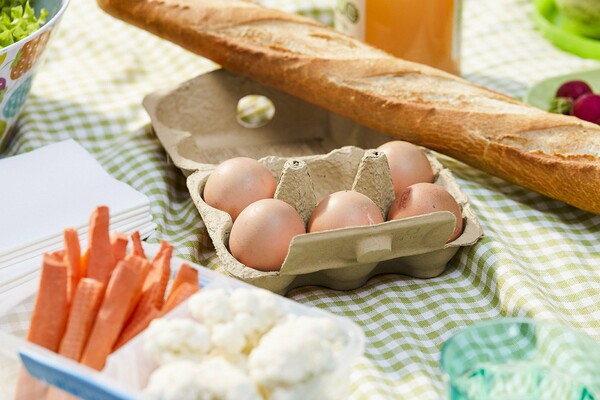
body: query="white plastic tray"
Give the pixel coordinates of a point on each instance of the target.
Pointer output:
(121, 378)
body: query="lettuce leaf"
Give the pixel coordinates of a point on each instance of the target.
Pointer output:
(18, 20)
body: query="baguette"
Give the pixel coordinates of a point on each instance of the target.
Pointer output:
(555, 155)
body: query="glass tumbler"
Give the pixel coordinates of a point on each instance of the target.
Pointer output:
(522, 359)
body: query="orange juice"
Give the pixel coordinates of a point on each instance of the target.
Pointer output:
(425, 31)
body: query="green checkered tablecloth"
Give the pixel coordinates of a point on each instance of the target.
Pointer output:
(539, 257)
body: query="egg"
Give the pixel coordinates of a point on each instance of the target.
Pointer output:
(236, 183)
(344, 209)
(425, 198)
(408, 164)
(261, 234)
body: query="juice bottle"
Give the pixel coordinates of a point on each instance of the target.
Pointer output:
(425, 31)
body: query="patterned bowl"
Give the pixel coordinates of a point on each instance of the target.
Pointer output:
(19, 63)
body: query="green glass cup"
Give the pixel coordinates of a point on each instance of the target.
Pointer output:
(522, 359)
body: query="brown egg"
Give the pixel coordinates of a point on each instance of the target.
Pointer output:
(344, 209)
(425, 198)
(408, 164)
(236, 183)
(261, 234)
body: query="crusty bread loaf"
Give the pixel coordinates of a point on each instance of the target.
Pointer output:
(558, 156)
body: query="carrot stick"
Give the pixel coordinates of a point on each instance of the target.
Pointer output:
(100, 261)
(185, 274)
(85, 258)
(153, 291)
(120, 294)
(138, 249)
(58, 255)
(50, 312)
(137, 292)
(156, 283)
(137, 325)
(184, 285)
(178, 296)
(119, 242)
(163, 262)
(47, 321)
(72, 259)
(84, 308)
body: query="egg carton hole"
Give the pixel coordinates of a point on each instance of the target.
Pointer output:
(254, 111)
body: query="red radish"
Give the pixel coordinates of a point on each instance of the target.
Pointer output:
(587, 107)
(573, 89)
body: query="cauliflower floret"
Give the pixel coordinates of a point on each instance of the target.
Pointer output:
(293, 353)
(176, 380)
(237, 320)
(229, 338)
(256, 311)
(212, 379)
(241, 346)
(166, 340)
(211, 306)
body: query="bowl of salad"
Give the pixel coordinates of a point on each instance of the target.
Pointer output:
(26, 27)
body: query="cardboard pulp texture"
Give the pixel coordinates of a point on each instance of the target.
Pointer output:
(313, 153)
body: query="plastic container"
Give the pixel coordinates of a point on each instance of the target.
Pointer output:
(552, 25)
(523, 359)
(313, 153)
(127, 370)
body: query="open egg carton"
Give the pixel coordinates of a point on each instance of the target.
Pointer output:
(312, 153)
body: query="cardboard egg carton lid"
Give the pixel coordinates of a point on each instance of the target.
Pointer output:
(313, 153)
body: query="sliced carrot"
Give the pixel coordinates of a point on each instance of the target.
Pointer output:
(155, 285)
(142, 317)
(119, 242)
(154, 288)
(120, 294)
(85, 258)
(84, 308)
(136, 240)
(100, 260)
(137, 325)
(72, 259)
(185, 274)
(58, 255)
(137, 292)
(178, 296)
(163, 263)
(49, 317)
(47, 321)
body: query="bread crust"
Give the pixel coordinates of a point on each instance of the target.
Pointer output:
(555, 155)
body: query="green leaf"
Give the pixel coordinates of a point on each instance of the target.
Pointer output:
(18, 20)
(561, 105)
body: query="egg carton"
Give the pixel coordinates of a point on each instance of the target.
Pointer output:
(313, 153)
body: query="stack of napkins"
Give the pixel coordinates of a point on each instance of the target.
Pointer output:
(52, 188)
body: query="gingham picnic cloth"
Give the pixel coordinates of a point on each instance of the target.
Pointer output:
(539, 258)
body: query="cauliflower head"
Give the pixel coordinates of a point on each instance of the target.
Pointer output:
(166, 340)
(237, 320)
(294, 354)
(211, 379)
(211, 306)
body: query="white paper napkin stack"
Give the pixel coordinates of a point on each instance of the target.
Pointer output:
(47, 190)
